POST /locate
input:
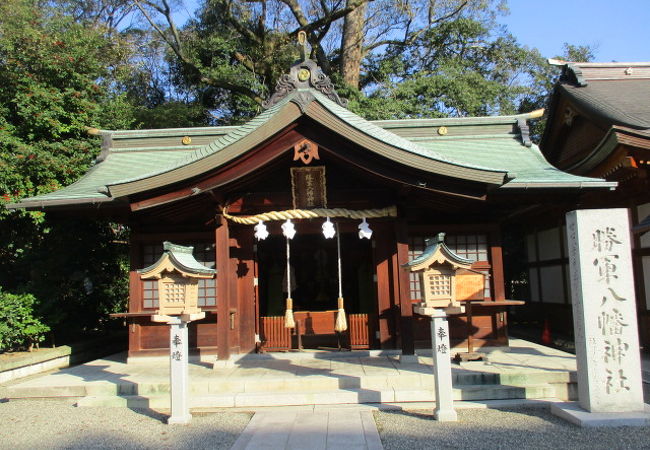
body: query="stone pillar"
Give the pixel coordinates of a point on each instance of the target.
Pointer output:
(604, 317)
(178, 372)
(444, 411)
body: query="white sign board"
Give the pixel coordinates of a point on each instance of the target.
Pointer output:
(604, 312)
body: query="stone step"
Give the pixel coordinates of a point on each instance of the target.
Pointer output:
(329, 397)
(299, 385)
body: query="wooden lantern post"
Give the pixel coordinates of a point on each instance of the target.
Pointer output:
(178, 275)
(438, 268)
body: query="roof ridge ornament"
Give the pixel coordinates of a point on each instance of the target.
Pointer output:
(303, 75)
(525, 132)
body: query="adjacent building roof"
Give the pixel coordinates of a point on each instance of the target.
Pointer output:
(491, 150)
(613, 96)
(617, 93)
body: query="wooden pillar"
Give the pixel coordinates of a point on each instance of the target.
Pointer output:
(245, 289)
(135, 292)
(222, 243)
(496, 259)
(402, 278)
(382, 255)
(499, 321)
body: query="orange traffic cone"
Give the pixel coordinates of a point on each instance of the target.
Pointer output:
(546, 334)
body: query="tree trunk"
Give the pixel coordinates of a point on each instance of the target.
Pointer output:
(351, 45)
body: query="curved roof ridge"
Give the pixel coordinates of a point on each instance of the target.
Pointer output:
(510, 118)
(388, 137)
(214, 146)
(593, 98)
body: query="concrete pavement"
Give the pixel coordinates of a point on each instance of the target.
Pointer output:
(350, 428)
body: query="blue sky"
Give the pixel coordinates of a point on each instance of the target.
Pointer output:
(619, 29)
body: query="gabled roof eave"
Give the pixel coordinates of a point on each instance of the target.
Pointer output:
(292, 110)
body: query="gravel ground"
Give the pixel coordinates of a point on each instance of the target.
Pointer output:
(529, 428)
(58, 424)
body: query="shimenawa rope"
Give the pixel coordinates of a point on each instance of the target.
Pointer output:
(390, 211)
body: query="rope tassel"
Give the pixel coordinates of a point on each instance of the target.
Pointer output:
(289, 321)
(341, 323)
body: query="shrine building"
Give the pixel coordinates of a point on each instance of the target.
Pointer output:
(362, 197)
(598, 126)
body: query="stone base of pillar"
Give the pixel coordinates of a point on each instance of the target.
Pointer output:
(223, 363)
(445, 415)
(408, 359)
(179, 420)
(572, 412)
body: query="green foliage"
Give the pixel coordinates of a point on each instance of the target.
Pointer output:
(172, 114)
(51, 91)
(57, 78)
(18, 326)
(79, 274)
(463, 67)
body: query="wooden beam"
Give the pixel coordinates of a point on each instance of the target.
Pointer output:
(251, 162)
(392, 172)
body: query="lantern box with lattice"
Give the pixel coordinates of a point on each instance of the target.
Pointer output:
(178, 274)
(443, 275)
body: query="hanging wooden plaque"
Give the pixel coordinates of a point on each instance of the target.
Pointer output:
(308, 187)
(469, 286)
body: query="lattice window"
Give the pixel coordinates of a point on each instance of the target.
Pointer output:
(207, 292)
(416, 247)
(470, 246)
(439, 285)
(173, 289)
(151, 253)
(204, 252)
(150, 293)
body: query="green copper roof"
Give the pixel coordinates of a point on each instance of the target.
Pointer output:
(432, 246)
(182, 258)
(487, 149)
(393, 139)
(526, 165)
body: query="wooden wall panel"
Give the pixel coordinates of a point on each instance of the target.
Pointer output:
(153, 335)
(358, 327)
(204, 332)
(273, 334)
(482, 326)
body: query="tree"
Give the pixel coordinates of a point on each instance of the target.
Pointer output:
(544, 79)
(56, 80)
(234, 51)
(18, 327)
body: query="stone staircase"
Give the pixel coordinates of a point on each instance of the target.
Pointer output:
(415, 385)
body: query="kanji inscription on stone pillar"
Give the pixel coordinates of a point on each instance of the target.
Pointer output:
(604, 311)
